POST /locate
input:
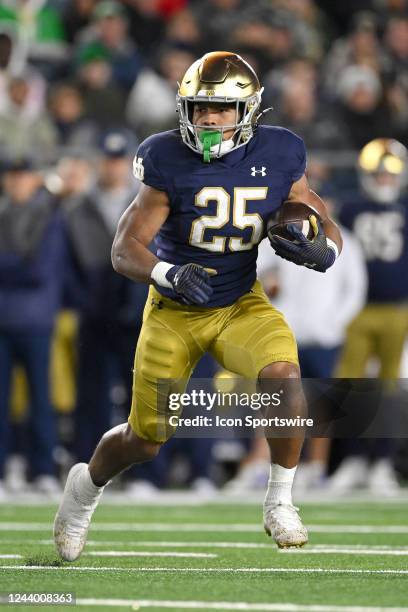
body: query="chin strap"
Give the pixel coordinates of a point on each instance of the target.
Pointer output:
(267, 110)
(209, 139)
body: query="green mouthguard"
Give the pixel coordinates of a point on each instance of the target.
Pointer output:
(208, 140)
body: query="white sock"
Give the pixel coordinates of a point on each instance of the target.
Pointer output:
(87, 491)
(279, 485)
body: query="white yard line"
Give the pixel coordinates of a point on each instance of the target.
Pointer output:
(163, 544)
(360, 529)
(208, 527)
(316, 549)
(207, 544)
(189, 498)
(145, 553)
(230, 570)
(193, 544)
(339, 550)
(352, 549)
(229, 605)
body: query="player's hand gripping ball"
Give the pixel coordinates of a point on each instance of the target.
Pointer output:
(296, 234)
(192, 283)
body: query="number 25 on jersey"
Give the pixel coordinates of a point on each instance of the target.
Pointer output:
(240, 218)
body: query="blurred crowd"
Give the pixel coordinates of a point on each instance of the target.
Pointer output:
(337, 75)
(82, 82)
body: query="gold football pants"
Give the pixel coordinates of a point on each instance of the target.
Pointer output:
(378, 331)
(243, 337)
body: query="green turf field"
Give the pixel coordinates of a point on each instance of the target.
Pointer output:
(214, 557)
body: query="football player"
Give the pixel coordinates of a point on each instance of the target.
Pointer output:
(208, 190)
(379, 219)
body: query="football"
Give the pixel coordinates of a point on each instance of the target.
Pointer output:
(291, 212)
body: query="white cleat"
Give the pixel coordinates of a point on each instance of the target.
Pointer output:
(282, 522)
(74, 516)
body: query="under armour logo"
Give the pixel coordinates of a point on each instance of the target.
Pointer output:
(254, 171)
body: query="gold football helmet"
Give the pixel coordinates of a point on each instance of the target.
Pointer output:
(223, 77)
(382, 166)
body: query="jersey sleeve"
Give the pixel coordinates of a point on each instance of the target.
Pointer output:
(146, 165)
(297, 158)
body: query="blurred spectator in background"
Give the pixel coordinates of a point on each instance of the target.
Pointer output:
(110, 306)
(73, 178)
(75, 174)
(146, 23)
(95, 83)
(270, 36)
(184, 29)
(23, 129)
(313, 28)
(74, 128)
(362, 104)
(361, 47)
(108, 37)
(77, 16)
(396, 45)
(299, 110)
(12, 64)
(12, 60)
(225, 15)
(151, 103)
(33, 259)
(40, 33)
(378, 217)
(296, 69)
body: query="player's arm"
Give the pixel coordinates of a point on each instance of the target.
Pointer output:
(321, 251)
(136, 229)
(131, 256)
(301, 192)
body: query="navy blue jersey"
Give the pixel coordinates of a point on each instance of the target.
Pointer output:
(218, 209)
(382, 230)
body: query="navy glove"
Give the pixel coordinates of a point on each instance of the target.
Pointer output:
(315, 253)
(192, 283)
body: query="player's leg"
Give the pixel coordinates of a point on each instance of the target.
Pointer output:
(167, 351)
(378, 331)
(358, 347)
(118, 449)
(285, 451)
(392, 331)
(257, 343)
(281, 518)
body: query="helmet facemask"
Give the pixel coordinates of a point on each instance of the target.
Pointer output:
(243, 129)
(219, 77)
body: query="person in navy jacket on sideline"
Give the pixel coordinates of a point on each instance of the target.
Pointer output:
(33, 258)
